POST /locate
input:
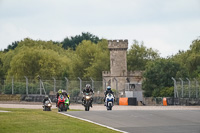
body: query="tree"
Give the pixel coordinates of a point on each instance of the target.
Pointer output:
(190, 59)
(11, 46)
(6, 59)
(139, 55)
(90, 59)
(72, 42)
(33, 58)
(1, 65)
(101, 61)
(157, 76)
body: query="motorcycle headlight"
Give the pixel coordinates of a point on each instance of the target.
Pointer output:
(49, 104)
(87, 97)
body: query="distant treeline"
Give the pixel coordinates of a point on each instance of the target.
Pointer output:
(87, 55)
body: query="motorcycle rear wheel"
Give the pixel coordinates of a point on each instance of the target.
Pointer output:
(87, 108)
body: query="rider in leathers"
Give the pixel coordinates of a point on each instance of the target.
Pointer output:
(107, 92)
(87, 89)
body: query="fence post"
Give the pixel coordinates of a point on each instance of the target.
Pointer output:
(196, 86)
(104, 83)
(26, 85)
(67, 81)
(188, 86)
(43, 87)
(54, 85)
(80, 84)
(92, 83)
(12, 85)
(181, 87)
(40, 87)
(175, 88)
(116, 86)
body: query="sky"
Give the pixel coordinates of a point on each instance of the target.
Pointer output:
(164, 25)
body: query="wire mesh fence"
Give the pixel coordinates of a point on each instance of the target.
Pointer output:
(47, 87)
(186, 88)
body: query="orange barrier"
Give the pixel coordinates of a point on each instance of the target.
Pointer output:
(123, 101)
(164, 101)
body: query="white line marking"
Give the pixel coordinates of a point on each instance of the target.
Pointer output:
(94, 122)
(4, 111)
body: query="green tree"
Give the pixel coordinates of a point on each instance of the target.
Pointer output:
(6, 59)
(139, 55)
(90, 59)
(72, 42)
(157, 76)
(33, 58)
(190, 59)
(1, 65)
(11, 46)
(101, 61)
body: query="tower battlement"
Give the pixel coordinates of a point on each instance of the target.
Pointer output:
(135, 73)
(118, 44)
(106, 73)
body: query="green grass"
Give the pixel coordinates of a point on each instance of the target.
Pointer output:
(38, 121)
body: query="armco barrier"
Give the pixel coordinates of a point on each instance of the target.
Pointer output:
(9, 97)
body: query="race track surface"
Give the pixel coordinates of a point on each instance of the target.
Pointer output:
(146, 121)
(135, 119)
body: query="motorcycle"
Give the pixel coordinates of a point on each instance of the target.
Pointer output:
(47, 106)
(87, 101)
(109, 101)
(63, 103)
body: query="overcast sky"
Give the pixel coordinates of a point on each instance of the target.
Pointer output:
(165, 25)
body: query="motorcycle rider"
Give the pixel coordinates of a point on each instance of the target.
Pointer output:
(46, 98)
(57, 95)
(87, 89)
(64, 93)
(108, 91)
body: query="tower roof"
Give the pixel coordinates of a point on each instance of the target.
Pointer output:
(118, 44)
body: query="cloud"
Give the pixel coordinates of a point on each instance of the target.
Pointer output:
(163, 25)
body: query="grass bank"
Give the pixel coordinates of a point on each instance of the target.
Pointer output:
(38, 121)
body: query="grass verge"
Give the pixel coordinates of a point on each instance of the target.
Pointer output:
(38, 121)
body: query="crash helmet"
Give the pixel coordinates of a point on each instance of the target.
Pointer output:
(87, 86)
(108, 88)
(60, 91)
(46, 96)
(63, 90)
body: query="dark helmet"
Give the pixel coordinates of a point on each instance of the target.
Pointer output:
(87, 86)
(108, 88)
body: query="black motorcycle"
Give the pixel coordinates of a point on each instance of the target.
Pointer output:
(87, 101)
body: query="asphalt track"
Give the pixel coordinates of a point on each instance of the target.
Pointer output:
(145, 121)
(134, 119)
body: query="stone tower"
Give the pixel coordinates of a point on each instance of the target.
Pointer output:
(118, 74)
(118, 63)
